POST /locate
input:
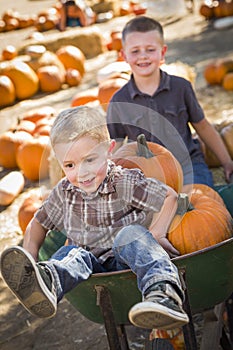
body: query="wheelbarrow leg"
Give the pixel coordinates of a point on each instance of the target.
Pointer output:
(188, 330)
(212, 329)
(117, 338)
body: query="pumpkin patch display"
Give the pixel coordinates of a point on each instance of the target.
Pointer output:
(200, 222)
(32, 158)
(153, 159)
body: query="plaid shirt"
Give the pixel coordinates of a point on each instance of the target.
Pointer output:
(125, 197)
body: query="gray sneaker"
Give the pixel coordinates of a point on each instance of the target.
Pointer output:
(31, 283)
(161, 308)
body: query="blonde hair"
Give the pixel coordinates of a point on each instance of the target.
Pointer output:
(73, 123)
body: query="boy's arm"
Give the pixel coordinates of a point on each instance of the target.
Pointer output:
(34, 237)
(162, 220)
(214, 142)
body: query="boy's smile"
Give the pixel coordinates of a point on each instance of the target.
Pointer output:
(84, 162)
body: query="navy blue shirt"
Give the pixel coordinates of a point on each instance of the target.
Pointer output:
(163, 117)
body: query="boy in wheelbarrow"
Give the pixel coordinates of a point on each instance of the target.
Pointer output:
(114, 219)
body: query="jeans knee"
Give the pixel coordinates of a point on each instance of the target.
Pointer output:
(129, 234)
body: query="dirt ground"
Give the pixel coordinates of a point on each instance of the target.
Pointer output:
(191, 40)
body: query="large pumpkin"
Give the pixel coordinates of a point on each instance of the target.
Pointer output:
(33, 158)
(23, 77)
(200, 222)
(204, 190)
(153, 159)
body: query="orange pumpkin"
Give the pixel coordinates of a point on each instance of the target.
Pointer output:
(9, 143)
(39, 113)
(72, 57)
(33, 158)
(73, 77)
(153, 159)
(23, 77)
(84, 97)
(227, 82)
(222, 68)
(27, 209)
(108, 87)
(203, 189)
(7, 91)
(50, 78)
(200, 222)
(9, 52)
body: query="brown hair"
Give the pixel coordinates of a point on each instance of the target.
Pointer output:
(141, 24)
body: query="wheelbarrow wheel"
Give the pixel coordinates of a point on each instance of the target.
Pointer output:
(159, 344)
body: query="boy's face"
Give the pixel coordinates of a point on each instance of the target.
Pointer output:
(144, 52)
(84, 162)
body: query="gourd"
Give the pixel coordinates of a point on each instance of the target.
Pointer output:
(153, 159)
(200, 222)
(10, 187)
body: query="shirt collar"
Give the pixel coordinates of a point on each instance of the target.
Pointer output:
(105, 187)
(164, 84)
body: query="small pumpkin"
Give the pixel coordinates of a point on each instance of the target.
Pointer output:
(72, 57)
(39, 113)
(32, 158)
(7, 91)
(9, 143)
(9, 52)
(73, 77)
(200, 222)
(27, 209)
(227, 82)
(153, 159)
(50, 78)
(84, 97)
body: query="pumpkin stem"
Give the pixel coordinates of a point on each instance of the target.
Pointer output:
(184, 204)
(143, 149)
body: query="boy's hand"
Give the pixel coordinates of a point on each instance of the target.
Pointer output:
(164, 242)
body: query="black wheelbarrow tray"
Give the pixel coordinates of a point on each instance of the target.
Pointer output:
(208, 282)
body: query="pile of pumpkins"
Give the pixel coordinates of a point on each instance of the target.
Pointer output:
(25, 148)
(212, 9)
(44, 20)
(220, 72)
(21, 77)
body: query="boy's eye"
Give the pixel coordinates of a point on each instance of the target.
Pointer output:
(69, 165)
(90, 160)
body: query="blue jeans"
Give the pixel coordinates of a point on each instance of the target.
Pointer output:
(199, 174)
(134, 247)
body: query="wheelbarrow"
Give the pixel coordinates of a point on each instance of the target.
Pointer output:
(207, 277)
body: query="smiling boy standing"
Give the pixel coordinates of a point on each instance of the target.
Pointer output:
(106, 212)
(162, 106)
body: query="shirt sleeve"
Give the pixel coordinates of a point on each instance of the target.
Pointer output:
(142, 192)
(50, 214)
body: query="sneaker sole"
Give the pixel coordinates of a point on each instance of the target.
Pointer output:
(31, 290)
(150, 315)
